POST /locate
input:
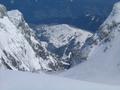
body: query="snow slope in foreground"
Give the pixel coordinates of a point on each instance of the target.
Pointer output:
(14, 80)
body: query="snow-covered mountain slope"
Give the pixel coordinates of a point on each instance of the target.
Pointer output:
(102, 53)
(62, 39)
(19, 47)
(60, 35)
(11, 80)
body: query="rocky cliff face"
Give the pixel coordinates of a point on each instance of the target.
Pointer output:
(62, 40)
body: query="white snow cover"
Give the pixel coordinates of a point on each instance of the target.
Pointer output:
(103, 63)
(11, 80)
(16, 17)
(60, 35)
(13, 42)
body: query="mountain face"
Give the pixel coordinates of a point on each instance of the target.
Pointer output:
(101, 52)
(19, 47)
(62, 40)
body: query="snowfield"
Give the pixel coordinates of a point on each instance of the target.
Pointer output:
(14, 80)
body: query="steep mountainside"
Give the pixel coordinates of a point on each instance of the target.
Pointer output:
(102, 53)
(19, 47)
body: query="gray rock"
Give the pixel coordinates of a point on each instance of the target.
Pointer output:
(3, 11)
